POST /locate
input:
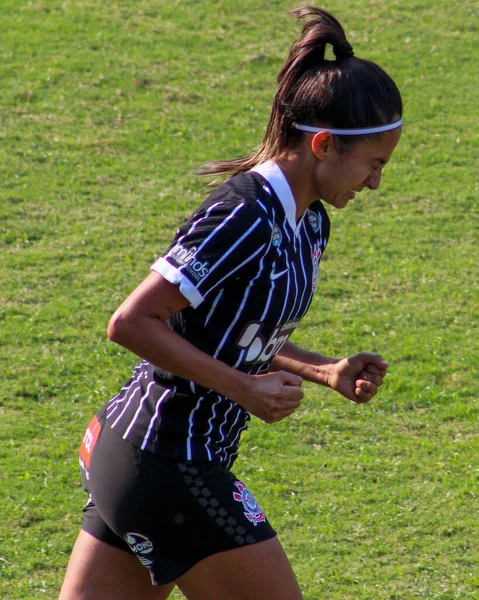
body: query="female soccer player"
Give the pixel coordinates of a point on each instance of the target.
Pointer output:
(212, 324)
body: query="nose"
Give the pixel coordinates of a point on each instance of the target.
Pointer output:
(373, 182)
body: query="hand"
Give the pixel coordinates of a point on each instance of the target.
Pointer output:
(273, 396)
(358, 377)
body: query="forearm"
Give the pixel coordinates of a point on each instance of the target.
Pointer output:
(311, 366)
(151, 339)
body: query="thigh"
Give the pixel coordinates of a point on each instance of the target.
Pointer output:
(259, 571)
(171, 515)
(99, 570)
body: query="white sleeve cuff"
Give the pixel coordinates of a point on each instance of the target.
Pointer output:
(174, 276)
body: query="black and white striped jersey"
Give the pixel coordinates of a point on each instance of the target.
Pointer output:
(249, 272)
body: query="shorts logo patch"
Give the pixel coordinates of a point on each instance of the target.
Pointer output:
(89, 441)
(141, 546)
(252, 510)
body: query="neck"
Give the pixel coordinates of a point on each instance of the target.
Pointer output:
(298, 171)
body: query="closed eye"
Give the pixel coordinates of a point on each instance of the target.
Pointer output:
(379, 164)
(379, 168)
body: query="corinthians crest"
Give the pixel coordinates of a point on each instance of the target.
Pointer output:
(252, 510)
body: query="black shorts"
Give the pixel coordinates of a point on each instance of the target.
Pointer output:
(170, 514)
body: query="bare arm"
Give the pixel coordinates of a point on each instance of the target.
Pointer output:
(139, 325)
(357, 377)
(312, 366)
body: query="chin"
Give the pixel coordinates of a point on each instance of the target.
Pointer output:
(340, 202)
(337, 201)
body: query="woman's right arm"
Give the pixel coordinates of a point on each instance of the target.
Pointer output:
(139, 325)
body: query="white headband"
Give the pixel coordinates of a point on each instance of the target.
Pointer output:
(360, 131)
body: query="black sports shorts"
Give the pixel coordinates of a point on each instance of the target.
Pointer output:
(170, 514)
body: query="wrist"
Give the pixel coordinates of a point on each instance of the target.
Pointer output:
(325, 372)
(237, 386)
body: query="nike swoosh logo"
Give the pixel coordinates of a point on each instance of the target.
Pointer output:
(276, 275)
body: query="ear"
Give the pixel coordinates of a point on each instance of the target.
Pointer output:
(322, 145)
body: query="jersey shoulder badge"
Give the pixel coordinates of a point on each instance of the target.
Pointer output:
(314, 220)
(315, 258)
(276, 236)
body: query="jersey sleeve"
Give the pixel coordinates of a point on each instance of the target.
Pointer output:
(218, 242)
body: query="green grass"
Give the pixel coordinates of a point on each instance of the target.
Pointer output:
(106, 111)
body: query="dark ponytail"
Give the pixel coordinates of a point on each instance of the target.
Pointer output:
(348, 92)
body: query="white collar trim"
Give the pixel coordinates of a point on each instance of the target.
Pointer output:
(275, 177)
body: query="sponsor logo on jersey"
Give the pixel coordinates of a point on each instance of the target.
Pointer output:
(315, 257)
(257, 348)
(141, 546)
(276, 236)
(314, 221)
(252, 510)
(186, 258)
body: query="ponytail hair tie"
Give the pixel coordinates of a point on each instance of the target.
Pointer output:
(343, 50)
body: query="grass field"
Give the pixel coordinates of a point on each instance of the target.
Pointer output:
(107, 109)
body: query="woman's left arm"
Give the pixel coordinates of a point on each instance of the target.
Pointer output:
(357, 377)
